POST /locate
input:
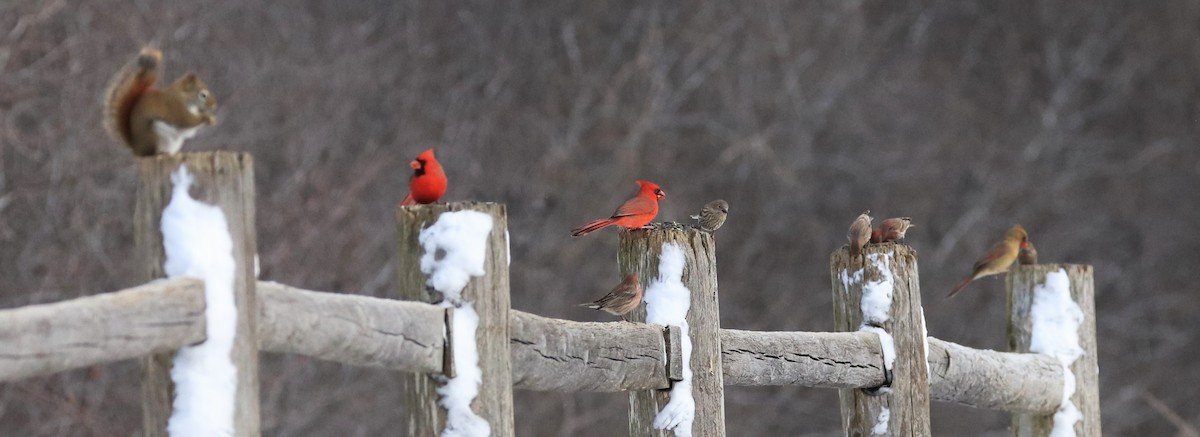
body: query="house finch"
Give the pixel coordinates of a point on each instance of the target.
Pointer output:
(893, 229)
(859, 233)
(713, 215)
(997, 259)
(1028, 253)
(428, 181)
(623, 298)
(634, 213)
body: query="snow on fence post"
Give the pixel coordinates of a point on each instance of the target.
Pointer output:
(226, 180)
(463, 254)
(879, 292)
(639, 251)
(1046, 302)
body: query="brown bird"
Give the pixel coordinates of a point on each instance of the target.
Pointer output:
(713, 215)
(876, 236)
(623, 298)
(859, 233)
(995, 260)
(1028, 254)
(893, 229)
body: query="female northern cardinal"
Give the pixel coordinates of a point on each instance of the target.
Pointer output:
(859, 233)
(997, 259)
(428, 182)
(623, 298)
(634, 213)
(712, 216)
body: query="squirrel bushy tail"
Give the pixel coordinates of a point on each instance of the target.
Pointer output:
(126, 87)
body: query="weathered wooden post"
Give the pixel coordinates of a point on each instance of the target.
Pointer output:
(224, 179)
(640, 251)
(879, 292)
(486, 294)
(1051, 310)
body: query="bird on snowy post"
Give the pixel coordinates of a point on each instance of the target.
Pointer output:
(712, 216)
(893, 229)
(427, 183)
(634, 213)
(859, 233)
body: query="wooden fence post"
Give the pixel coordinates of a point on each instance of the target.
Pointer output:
(489, 295)
(639, 251)
(1040, 283)
(902, 409)
(224, 179)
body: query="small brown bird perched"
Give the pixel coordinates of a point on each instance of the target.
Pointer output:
(713, 215)
(997, 259)
(623, 298)
(893, 229)
(1028, 254)
(859, 233)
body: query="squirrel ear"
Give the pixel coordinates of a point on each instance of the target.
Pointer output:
(189, 81)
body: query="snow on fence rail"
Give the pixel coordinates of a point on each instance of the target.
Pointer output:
(530, 352)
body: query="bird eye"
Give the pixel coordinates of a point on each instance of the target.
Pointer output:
(204, 94)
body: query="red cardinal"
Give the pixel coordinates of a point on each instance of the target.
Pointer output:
(634, 213)
(428, 182)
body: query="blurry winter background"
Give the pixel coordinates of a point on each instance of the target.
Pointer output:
(1075, 118)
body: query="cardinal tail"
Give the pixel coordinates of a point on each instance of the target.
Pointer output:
(591, 227)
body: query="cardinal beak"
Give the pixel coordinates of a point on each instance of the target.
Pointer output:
(415, 165)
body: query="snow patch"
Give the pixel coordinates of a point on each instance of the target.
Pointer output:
(197, 243)
(877, 295)
(925, 342)
(877, 303)
(886, 343)
(1055, 320)
(849, 279)
(881, 423)
(455, 248)
(458, 392)
(667, 303)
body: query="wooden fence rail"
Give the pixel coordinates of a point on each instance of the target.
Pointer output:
(523, 351)
(154, 318)
(548, 354)
(355, 330)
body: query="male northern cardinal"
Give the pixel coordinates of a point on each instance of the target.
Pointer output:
(634, 213)
(712, 216)
(859, 233)
(1028, 253)
(428, 182)
(997, 259)
(893, 229)
(623, 298)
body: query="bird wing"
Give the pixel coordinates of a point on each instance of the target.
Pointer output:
(998, 251)
(635, 206)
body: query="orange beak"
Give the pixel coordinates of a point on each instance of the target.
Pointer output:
(414, 164)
